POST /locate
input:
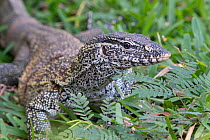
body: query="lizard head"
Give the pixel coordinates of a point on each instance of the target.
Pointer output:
(124, 50)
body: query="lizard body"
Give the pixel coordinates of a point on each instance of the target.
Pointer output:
(59, 64)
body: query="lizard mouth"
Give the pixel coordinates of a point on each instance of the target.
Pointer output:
(164, 58)
(134, 62)
(150, 61)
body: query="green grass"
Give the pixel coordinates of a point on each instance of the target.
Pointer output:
(182, 27)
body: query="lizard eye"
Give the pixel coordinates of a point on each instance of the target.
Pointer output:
(127, 45)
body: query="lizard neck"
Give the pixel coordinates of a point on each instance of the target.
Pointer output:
(90, 71)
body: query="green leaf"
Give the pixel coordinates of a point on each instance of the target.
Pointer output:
(149, 21)
(3, 129)
(199, 132)
(119, 117)
(6, 50)
(186, 43)
(68, 111)
(21, 123)
(11, 119)
(85, 104)
(63, 18)
(17, 132)
(171, 11)
(168, 104)
(197, 31)
(3, 28)
(204, 121)
(173, 136)
(63, 117)
(207, 136)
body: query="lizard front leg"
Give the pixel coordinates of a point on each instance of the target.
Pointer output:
(10, 72)
(40, 109)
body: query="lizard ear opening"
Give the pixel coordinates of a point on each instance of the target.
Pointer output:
(104, 50)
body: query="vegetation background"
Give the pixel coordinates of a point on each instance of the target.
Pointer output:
(174, 106)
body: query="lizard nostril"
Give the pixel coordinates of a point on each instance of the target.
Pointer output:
(148, 48)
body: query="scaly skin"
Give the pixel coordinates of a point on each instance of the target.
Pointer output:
(13, 15)
(60, 64)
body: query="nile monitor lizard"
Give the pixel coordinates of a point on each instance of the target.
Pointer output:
(59, 64)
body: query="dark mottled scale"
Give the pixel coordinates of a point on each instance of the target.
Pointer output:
(59, 64)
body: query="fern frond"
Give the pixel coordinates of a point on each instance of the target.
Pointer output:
(181, 78)
(198, 86)
(152, 90)
(87, 131)
(81, 106)
(108, 110)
